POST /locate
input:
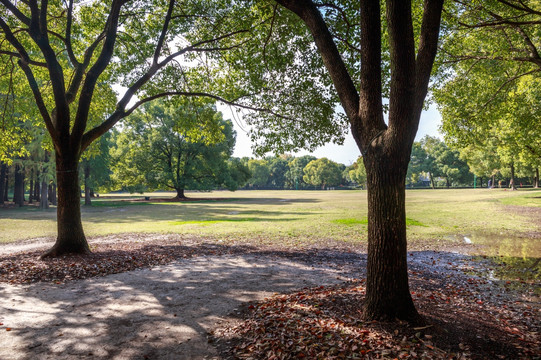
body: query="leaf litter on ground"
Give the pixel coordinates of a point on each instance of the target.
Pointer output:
(470, 317)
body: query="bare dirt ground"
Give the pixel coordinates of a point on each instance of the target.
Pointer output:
(163, 312)
(141, 296)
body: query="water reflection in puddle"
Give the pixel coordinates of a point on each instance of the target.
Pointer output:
(506, 257)
(490, 244)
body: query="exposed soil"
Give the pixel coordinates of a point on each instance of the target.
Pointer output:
(141, 296)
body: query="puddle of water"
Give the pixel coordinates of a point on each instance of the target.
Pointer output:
(490, 244)
(515, 260)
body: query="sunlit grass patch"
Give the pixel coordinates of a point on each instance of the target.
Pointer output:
(208, 222)
(351, 221)
(523, 199)
(411, 222)
(108, 203)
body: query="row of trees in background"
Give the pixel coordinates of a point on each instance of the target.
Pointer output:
(167, 150)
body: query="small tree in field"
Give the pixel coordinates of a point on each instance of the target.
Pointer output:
(175, 147)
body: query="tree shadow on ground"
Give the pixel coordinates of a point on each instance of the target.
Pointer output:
(166, 312)
(163, 313)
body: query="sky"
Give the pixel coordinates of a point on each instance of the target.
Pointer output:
(346, 154)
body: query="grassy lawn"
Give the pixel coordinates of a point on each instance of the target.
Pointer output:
(435, 217)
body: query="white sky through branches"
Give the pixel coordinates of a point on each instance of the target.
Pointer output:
(345, 154)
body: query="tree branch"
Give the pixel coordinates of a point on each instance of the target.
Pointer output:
(17, 55)
(24, 62)
(120, 114)
(15, 11)
(96, 70)
(165, 27)
(308, 12)
(428, 47)
(67, 41)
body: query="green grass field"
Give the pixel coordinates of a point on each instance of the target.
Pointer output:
(436, 218)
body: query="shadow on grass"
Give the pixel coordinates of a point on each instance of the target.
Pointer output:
(200, 212)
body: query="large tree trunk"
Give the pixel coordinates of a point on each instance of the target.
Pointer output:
(6, 187)
(31, 191)
(431, 180)
(180, 194)
(44, 196)
(71, 238)
(387, 289)
(37, 190)
(18, 188)
(512, 181)
(536, 179)
(88, 201)
(52, 193)
(3, 171)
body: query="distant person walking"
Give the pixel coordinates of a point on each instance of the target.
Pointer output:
(490, 183)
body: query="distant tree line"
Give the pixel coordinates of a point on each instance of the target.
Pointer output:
(435, 164)
(160, 154)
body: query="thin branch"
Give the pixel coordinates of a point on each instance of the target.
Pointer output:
(15, 11)
(273, 19)
(196, 46)
(67, 40)
(165, 27)
(24, 62)
(523, 8)
(505, 83)
(17, 55)
(120, 113)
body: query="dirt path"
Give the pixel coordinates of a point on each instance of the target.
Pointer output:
(166, 311)
(159, 313)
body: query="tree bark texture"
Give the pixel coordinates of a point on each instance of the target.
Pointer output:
(52, 193)
(37, 189)
(88, 200)
(44, 197)
(31, 190)
(180, 193)
(536, 179)
(3, 171)
(18, 188)
(386, 148)
(6, 187)
(71, 238)
(387, 290)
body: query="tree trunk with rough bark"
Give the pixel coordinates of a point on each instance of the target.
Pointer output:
(536, 179)
(88, 200)
(6, 187)
(3, 171)
(52, 193)
(386, 147)
(31, 190)
(512, 180)
(180, 194)
(71, 238)
(387, 290)
(18, 188)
